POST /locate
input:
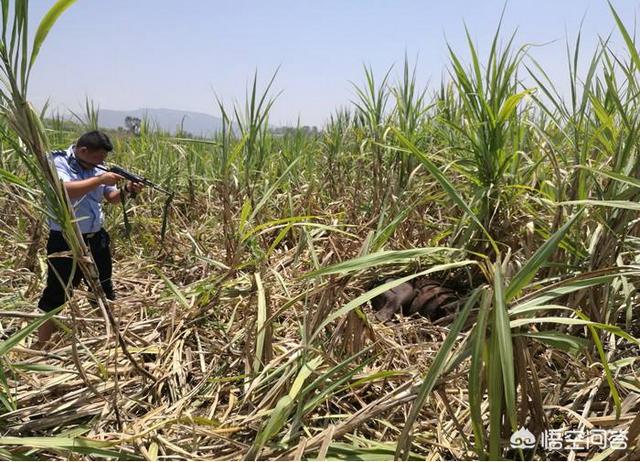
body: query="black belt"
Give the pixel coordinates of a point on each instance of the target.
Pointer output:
(84, 236)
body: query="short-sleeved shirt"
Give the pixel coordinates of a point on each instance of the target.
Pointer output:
(88, 208)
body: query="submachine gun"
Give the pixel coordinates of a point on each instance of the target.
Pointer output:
(140, 179)
(133, 177)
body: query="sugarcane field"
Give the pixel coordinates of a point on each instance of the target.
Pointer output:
(438, 265)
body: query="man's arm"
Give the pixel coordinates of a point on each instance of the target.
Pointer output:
(79, 188)
(113, 196)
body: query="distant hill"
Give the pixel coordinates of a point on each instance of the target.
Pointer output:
(196, 123)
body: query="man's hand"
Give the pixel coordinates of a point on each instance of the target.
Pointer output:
(79, 188)
(110, 178)
(133, 187)
(130, 188)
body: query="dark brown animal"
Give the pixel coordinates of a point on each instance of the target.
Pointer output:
(431, 301)
(393, 300)
(422, 296)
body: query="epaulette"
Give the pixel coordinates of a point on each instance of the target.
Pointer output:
(58, 152)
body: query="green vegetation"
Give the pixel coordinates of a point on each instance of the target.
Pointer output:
(246, 333)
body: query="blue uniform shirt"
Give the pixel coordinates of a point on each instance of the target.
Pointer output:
(88, 208)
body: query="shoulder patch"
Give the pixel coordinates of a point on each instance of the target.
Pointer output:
(58, 152)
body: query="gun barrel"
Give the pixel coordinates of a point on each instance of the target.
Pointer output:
(158, 188)
(132, 177)
(127, 174)
(135, 178)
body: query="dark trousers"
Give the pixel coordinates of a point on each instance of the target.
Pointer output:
(59, 269)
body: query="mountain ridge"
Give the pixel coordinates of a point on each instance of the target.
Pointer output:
(165, 119)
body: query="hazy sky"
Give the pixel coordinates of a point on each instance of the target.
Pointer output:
(126, 54)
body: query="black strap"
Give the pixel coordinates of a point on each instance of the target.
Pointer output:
(127, 225)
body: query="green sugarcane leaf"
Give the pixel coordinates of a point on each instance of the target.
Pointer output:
(385, 257)
(564, 342)
(631, 46)
(529, 270)
(583, 281)
(502, 329)
(260, 324)
(307, 369)
(45, 26)
(267, 195)
(576, 322)
(279, 415)
(616, 204)
(175, 291)
(510, 105)
(476, 392)
(495, 383)
(404, 441)
(16, 338)
(613, 175)
(445, 183)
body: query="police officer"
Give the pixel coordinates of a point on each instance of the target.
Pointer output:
(86, 187)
